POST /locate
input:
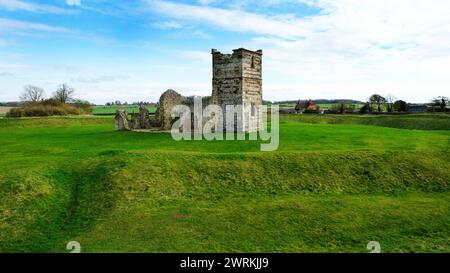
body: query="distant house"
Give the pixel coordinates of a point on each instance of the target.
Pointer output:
(306, 106)
(417, 108)
(302, 105)
(312, 107)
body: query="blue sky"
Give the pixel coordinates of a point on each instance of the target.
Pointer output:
(136, 49)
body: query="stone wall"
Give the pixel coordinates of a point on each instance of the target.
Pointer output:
(122, 120)
(167, 101)
(237, 80)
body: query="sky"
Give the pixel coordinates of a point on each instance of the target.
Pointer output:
(134, 50)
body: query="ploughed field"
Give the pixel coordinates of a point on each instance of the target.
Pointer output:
(4, 110)
(334, 184)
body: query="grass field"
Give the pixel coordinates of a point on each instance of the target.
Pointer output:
(335, 183)
(324, 106)
(111, 110)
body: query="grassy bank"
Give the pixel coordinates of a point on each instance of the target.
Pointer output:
(408, 121)
(329, 187)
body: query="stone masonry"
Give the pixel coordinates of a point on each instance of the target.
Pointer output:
(167, 101)
(236, 80)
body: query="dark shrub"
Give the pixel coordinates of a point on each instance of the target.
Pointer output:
(311, 112)
(51, 102)
(366, 108)
(50, 107)
(83, 104)
(400, 106)
(16, 112)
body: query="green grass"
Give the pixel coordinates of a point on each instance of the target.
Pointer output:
(331, 105)
(286, 105)
(321, 105)
(410, 121)
(111, 110)
(336, 183)
(282, 223)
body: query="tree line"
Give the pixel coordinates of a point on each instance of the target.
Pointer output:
(62, 102)
(376, 103)
(119, 103)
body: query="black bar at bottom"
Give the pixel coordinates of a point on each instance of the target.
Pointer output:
(186, 262)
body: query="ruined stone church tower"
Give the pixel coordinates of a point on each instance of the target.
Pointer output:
(237, 80)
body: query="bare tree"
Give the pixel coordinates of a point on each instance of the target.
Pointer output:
(64, 93)
(390, 99)
(32, 93)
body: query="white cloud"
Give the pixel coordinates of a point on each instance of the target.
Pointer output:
(202, 57)
(3, 74)
(186, 31)
(350, 49)
(8, 25)
(73, 2)
(206, 2)
(167, 25)
(235, 20)
(99, 79)
(14, 5)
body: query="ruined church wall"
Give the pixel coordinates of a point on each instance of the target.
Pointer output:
(252, 87)
(167, 101)
(252, 64)
(237, 80)
(252, 98)
(226, 82)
